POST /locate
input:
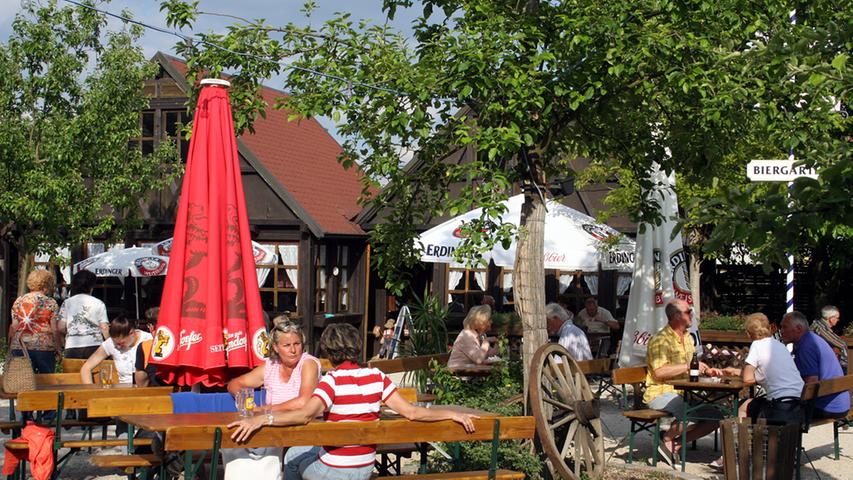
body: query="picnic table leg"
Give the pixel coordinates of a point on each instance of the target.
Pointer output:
(217, 441)
(495, 443)
(684, 430)
(422, 448)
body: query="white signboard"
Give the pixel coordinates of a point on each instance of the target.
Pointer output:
(777, 171)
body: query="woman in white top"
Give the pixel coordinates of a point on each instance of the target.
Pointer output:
(121, 346)
(770, 365)
(471, 346)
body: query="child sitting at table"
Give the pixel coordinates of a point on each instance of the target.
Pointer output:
(348, 393)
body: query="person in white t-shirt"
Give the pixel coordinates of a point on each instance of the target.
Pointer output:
(594, 318)
(83, 318)
(121, 346)
(572, 338)
(770, 365)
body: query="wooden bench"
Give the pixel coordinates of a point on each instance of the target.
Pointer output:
(827, 387)
(204, 436)
(74, 365)
(390, 456)
(78, 397)
(642, 419)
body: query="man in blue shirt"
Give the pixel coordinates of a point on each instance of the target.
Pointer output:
(816, 362)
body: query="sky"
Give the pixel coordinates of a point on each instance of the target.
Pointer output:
(275, 12)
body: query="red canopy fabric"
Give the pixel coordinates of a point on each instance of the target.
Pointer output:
(211, 325)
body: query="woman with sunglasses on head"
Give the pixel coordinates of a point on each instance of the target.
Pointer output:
(290, 376)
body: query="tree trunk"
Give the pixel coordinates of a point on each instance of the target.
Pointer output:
(694, 238)
(529, 279)
(25, 264)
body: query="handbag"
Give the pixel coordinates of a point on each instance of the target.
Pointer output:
(18, 375)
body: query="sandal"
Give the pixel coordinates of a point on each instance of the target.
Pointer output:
(717, 464)
(665, 454)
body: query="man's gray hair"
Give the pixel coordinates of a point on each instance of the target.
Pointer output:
(829, 311)
(797, 318)
(555, 310)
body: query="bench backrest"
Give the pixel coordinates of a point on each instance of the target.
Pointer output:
(629, 375)
(635, 376)
(599, 366)
(354, 433)
(47, 399)
(408, 364)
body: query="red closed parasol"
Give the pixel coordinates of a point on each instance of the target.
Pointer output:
(211, 325)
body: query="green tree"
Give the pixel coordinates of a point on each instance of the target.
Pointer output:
(526, 85)
(70, 97)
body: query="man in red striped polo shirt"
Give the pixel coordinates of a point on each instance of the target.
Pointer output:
(349, 393)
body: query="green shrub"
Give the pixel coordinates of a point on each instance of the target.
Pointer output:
(713, 321)
(490, 394)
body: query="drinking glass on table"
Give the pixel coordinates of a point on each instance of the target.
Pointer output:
(106, 376)
(245, 401)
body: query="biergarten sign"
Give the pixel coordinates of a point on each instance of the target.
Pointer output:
(777, 171)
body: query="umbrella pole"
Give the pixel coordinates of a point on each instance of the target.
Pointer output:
(137, 296)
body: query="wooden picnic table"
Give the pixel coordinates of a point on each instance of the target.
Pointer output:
(706, 392)
(472, 370)
(208, 431)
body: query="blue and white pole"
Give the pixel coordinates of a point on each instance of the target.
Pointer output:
(789, 275)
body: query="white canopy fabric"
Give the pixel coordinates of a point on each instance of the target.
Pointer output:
(573, 241)
(125, 262)
(660, 274)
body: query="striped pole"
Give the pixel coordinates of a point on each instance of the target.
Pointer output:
(789, 275)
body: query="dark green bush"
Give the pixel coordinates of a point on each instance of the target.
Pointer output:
(490, 394)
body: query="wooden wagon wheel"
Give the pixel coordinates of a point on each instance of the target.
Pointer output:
(568, 424)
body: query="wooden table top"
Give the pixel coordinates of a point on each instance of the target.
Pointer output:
(72, 388)
(78, 396)
(705, 383)
(475, 370)
(162, 422)
(391, 430)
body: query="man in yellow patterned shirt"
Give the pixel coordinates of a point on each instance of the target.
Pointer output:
(668, 358)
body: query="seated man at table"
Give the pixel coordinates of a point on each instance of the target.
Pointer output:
(571, 338)
(594, 318)
(816, 362)
(668, 358)
(349, 393)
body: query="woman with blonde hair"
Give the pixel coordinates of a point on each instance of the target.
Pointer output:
(770, 365)
(290, 376)
(471, 346)
(35, 317)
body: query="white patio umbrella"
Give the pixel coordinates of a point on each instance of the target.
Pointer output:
(262, 255)
(126, 262)
(152, 262)
(660, 274)
(573, 240)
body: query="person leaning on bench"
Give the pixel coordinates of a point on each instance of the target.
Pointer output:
(668, 357)
(816, 362)
(348, 393)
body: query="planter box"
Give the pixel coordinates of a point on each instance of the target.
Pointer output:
(726, 337)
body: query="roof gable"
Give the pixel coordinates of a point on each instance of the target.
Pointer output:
(299, 161)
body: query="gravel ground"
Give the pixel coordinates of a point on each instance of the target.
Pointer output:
(818, 444)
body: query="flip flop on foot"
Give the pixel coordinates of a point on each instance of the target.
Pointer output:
(665, 454)
(718, 463)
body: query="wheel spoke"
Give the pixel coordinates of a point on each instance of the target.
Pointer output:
(559, 423)
(558, 404)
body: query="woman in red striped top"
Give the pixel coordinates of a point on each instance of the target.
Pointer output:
(349, 393)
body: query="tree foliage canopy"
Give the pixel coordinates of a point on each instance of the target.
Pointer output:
(695, 86)
(70, 99)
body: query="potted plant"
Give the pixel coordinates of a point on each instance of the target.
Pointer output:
(500, 323)
(515, 326)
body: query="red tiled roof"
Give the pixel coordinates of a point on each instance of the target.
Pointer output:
(302, 156)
